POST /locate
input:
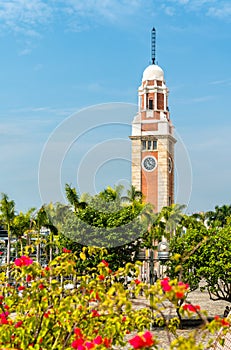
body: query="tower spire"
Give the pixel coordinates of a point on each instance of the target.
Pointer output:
(153, 45)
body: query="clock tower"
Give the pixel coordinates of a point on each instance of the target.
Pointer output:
(153, 139)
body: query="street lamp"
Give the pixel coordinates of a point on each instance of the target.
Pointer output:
(163, 253)
(147, 256)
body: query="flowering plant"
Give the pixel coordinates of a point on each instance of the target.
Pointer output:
(44, 309)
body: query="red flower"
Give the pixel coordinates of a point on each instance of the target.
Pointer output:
(222, 321)
(21, 288)
(149, 341)
(105, 263)
(78, 332)
(225, 323)
(46, 314)
(3, 320)
(180, 295)
(101, 277)
(23, 261)
(89, 345)
(18, 324)
(41, 286)
(95, 313)
(65, 250)
(28, 278)
(142, 341)
(1, 253)
(185, 285)
(107, 342)
(98, 340)
(76, 344)
(137, 342)
(137, 281)
(192, 308)
(124, 318)
(165, 285)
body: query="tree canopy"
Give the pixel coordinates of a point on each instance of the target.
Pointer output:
(203, 254)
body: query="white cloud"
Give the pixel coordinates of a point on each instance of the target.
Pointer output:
(222, 12)
(169, 10)
(25, 51)
(28, 16)
(98, 12)
(38, 67)
(22, 16)
(212, 8)
(221, 82)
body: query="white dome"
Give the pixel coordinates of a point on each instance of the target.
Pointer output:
(153, 72)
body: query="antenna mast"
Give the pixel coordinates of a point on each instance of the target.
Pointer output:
(153, 45)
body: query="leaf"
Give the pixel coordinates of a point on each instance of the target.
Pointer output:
(82, 256)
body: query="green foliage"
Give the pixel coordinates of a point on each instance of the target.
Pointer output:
(7, 211)
(7, 214)
(219, 216)
(215, 269)
(185, 258)
(104, 221)
(163, 224)
(203, 254)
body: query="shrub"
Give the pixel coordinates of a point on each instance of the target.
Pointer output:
(54, 307)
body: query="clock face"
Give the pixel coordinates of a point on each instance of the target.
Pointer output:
(149, 163)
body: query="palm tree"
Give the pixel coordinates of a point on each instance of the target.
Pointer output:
(167, 220)
(7, 214)
(21, 225)
(73, 198)
(48, 217)
(54, 215)
(134, 195)
(40, 220)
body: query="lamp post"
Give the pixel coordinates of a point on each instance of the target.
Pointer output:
(147, 256)
(163, 254)
(162, 257)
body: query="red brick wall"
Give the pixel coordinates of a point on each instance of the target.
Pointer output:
(149, 183)
(160, 101)
(149, 127)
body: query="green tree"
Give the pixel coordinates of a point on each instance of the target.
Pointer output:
(42, 220)
(21, 226)
(215, 266)
(219, 216)
(203, 254)
(105, 221)
(7, 215)
(184, 262)
(55, 215)
(73, 198)
(163, 224)
(134, 195)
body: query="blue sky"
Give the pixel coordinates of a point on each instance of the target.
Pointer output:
(58, 57)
